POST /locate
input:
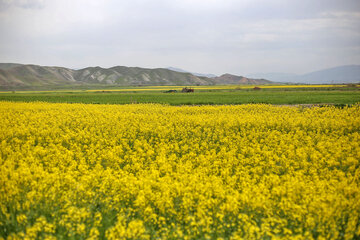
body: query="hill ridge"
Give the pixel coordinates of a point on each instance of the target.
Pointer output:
(31, 75)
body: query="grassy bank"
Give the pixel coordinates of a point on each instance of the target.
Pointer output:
(217, 97)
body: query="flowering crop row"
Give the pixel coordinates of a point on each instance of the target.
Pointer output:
(149, 171)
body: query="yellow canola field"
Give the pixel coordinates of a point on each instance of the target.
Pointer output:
(75, 171)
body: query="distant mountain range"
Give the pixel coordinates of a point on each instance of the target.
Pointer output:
(209, 75)
(14, 75)
(17, 76)
(336, 75)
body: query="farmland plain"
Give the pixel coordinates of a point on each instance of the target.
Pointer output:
(203, 95)
(221, 169)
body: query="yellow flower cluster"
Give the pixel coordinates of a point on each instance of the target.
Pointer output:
(75, 171)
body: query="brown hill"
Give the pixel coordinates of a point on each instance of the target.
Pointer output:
(240, 80)
(34, 75)
(17, 76)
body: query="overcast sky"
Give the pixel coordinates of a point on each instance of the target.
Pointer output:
(208, 36)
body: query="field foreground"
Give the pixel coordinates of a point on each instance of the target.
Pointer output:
(203, 95)
(147, 171)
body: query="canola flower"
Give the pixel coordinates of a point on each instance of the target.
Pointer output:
(147, 171)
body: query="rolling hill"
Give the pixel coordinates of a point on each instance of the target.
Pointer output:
(341, 74)
(233, 79)
(18, 75)
(13, 75)
(336, 75)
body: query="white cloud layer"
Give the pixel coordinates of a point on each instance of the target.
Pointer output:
(199, 35)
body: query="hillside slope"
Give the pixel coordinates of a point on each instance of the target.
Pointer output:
(233, 79)
(336, 75)
(121, 75)
(12, 75)
(341, 74)
(34, 75)
(21, 76)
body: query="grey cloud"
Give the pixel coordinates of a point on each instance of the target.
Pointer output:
(199, 35)
(26, 4)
